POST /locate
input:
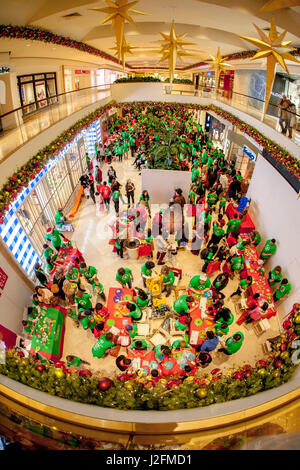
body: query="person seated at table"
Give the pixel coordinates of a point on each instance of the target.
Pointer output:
(139, 345)
(274, 276)
(124, 277)
(183, 304)
(180, 344)
(28, 326)
(104, 343)
(141, 298)
(49, 253)
(221, 281)
(73, 275)
(236, 264)
(243, 286)
(146, 271)
(100, 313)
(161, 352)
(255, 238)
(199, 283)
(224, 315)
(187, 371)
(168, 279)
(232, 344)
(50, 266)
(210, 343)
(241, 244)
(283, 290)
(182, 322)
(60, 219)
(256, 313)
(234, 224)
(123, 362)
(83, 304)
(55, 237)
(98, 328)
(44, 294)
(203, 359)
(134, 311)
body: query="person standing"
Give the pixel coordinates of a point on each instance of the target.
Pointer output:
(146, 271)
(283, 290)
(162, 246)
(211, 343)
(105, 192)
(111, 173)
(268, 250)
(275, 276)
(283, 114)
(124, 277)
(129, 188)
(168, 279)
(98, 176)
(40, 274)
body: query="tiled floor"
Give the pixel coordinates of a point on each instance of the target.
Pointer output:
(91, 237)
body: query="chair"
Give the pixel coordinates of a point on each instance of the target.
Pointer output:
(261, 326)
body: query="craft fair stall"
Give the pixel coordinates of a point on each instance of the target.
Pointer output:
(201, 322)
(247, 224)
(66, 258)
(117, 320)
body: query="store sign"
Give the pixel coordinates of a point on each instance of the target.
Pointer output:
(260, 148)
(82, 72)
(249, 153)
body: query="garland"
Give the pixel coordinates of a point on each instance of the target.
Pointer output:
(172, 394)
(38, 34)
(137, 79)
(22, 177)
(290, 163)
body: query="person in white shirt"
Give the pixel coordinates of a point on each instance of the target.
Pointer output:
(162, 246)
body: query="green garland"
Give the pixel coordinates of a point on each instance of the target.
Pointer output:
(137, 79)
(171, 394)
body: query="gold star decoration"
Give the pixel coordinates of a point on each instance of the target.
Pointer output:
(118, 13)
(172, 47)
(273, 5)
(126, 48)
(217, 64)
(274, 49)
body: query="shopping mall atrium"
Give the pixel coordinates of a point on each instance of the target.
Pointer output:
(149, 225)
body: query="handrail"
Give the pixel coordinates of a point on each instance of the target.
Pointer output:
(50, 97)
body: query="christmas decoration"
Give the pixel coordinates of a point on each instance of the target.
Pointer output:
(202, 392)
(217, 64)
(105, 384)
(273, 5)
(118, 14)
(40, 367)
(271, 47)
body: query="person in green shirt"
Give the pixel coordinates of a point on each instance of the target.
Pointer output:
(243, 285)
(139, 345)
(268, 250)
(146, 271)
(222, 329)
(180, 344)
(134, 311)
(60, 219)
(199, 283)
(255, 237)
(237, 262)
(218, 234)
(73, 275)
(142, 298)
(274, 276)
(222, 203)
(83, 304)
(116, 200)
(234, 224)
(55, 237)
(233, 344)
(241, 245)
(132, 330)
(283, 290)
(183, 304)
(210, 161)
(212, 199)
(50, 266)
(195, 174)
(48, 252)
(204, 158)
(74, 361)
(89, 272)
(103, 344)
(28, 326)
(168, 279)
(124, 277)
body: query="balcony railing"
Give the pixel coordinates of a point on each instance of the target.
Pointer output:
(19, 129)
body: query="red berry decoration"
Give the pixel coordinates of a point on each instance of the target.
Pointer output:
(261, 363)
(247, 367)
(173, 383)
(215, 371)
(247, 374)
(278, 363)
(238, 376)
(20, 354)
(287, 324)
(104, 384)
(40, 367)
(86, 373)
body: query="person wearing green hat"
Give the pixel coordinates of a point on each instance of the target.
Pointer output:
(268, 250)
(283, 290)
(199, 283)
(233, 344)
(275, 276)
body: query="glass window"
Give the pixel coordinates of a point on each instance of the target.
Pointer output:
(27, 97)
(39, 77)
(40, 89)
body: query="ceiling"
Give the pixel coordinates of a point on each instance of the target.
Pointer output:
(209, 24)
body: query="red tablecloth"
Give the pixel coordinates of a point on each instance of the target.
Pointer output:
(115, 318)
(66, 258)
(144, 250)
(173, 365)
(199, 325)
(260, 283)
(247, 225)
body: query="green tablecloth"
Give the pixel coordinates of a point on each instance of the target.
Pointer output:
(48, 334)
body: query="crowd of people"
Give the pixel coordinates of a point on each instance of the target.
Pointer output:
(215, 239)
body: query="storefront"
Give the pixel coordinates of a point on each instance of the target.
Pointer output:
(56, 186)
(37, 87)
(215, 129)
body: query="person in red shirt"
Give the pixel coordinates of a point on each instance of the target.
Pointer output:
(98, 330)
(252, 301)
(98, 176)
(105, 191)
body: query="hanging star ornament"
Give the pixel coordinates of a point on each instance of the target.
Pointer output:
(217, 64)
(273, 5)
(274, 49)
(172, 47)
(126, 48)
(118, 14)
